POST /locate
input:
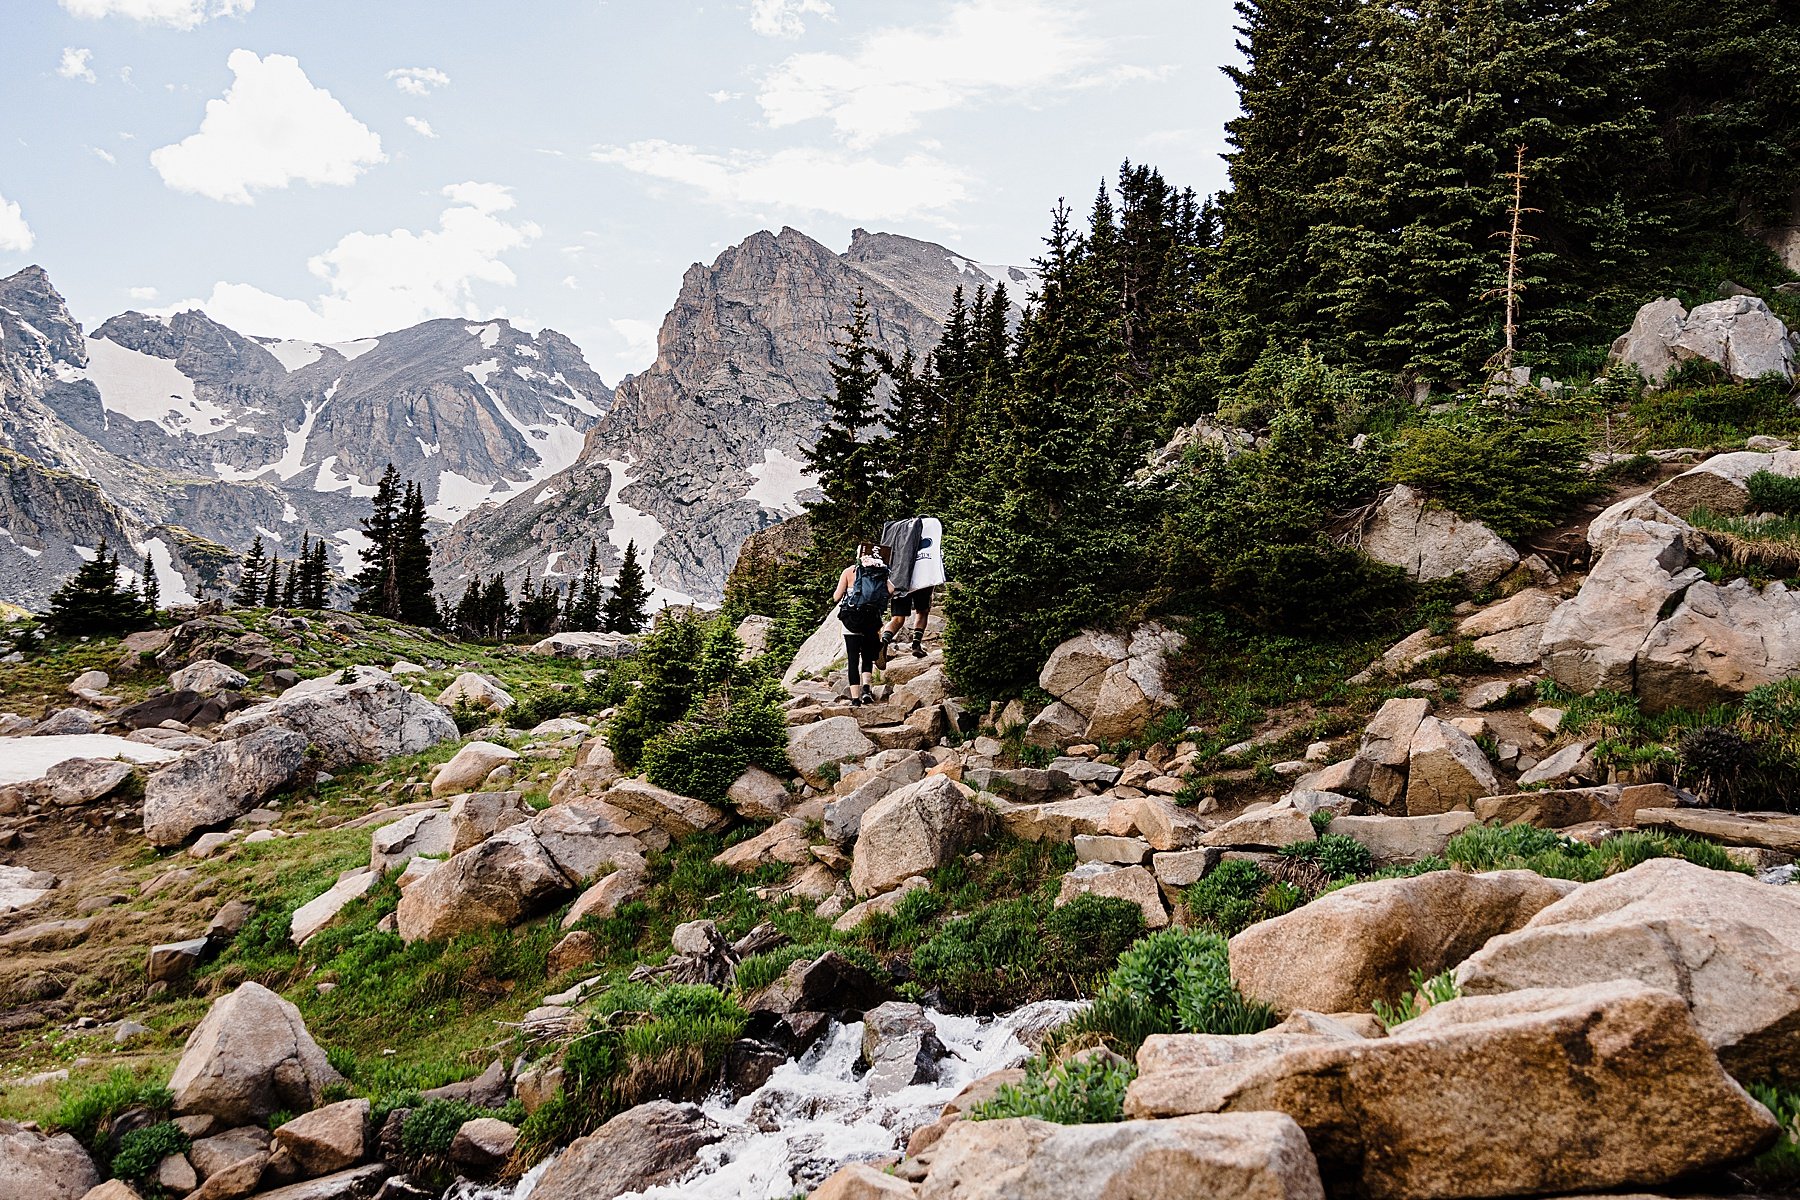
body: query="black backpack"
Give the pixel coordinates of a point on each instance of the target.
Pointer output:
(862, 605)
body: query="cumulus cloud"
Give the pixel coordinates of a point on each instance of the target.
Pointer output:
(421, 127)
(378, 282)
(801, 179)
(181, 14)
(76, 64)
(983, 49)
(271, 128)
(143, 293)
(784, 18)
(15, 234)
(418, 81)
(104, 156)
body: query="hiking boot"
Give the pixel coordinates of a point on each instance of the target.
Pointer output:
(918, 645)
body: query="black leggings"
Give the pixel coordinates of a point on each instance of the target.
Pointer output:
(861, 649)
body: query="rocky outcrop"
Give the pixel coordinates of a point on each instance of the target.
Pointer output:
(361, 715)
(497, 882)
(219, 784)
(1719, 643)
(470, 767)
(250, 1056)
(1463, 1100)
(822, 746)
(707, 442)
(1113, 685)
(1252, 1156)
(1360, 944)
(1739, 334)
(1721, 484)
(1429, 542)
(1508, 632)
(1592, 640)
(37, 1166)
(912, 831)
(1728, 945)
(900, 1047)
(643, 1147)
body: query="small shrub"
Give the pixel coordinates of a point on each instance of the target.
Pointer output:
(1087, 1089)
(702, 754)
(1336, 855)
(1780, 1164)
(1173, 980)
(430, 1128)
(1014, 951)
(1514, 476)
(1425, 993)
(84, 1110)
(1320, 820)
(142, 1150)
(1235, 895)
(1495, 847)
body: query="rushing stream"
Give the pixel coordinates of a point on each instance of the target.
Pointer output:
(815, 1114)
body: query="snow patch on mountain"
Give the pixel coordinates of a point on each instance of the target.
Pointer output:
(291, 354)
(171, 585)
(458, 496)
(780, 478)
(489, 334)
(354, 350)
(142, 387)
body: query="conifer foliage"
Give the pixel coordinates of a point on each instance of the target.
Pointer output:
(395, 580)
(97, 599)
(627, 609)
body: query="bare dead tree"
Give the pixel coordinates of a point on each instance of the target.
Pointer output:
(1516, 237)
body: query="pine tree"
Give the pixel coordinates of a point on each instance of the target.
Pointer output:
(272, 586)
(150, 588)
(416, 594)
(377, 584)
(627, 608)
(846, 458)
(318, 577)
(290, 587)
(94, 601)
(585, 595)
(496, 608)
(253, 577)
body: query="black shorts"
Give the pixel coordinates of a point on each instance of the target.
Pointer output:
(912, 602)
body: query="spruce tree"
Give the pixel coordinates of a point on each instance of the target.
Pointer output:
(271, 596)
(496, 608)
(319, 576)
(585, 595)
(627, 608)
(253, 577)
(94, 601)
(290, 587)
(150, 588)
(377, 583)
(415, 593)
(846, 458)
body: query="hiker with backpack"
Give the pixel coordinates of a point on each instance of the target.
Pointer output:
(914, 546)
(862, 597)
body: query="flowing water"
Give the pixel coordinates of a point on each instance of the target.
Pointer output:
(815, 1114)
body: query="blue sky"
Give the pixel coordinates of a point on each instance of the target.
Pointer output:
(331, 169)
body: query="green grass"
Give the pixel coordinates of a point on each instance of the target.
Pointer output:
(1173, 981)
(1549, 853)
(1704, 411)
(1779, 1165)
(85, 1109)
(1439, 989)
(1083, 1090)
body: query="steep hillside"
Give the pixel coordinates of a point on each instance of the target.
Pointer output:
(703, 449)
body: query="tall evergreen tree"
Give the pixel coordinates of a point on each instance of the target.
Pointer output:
(585, 595)
(627, 608)
(150, 587)
(378, 584)
(253, 577)
(846, 458)
(94, 600)
(416, 593)
(271, 596)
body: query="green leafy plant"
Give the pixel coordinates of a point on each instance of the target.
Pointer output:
(83, 1109)
(1780, 1164)
(142, 1150)
(430, 1128)
(1335, 854)
(1237, 894)
(1085, 1089)
(1013, 951)
(1516, 476)
(1439, 989)
(1175, 980)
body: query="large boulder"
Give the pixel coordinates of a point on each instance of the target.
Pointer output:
(428, 832)
(1728, 945)
(213, 786)
(498, 882)
(1360, 944)
(819, 654)
(326, 1139)
(470, 766)
(1116, 684)
(475, 691)
(1543, 1091)
(912, 831)
(480, 815)
(207, 677)
(1738, 333)
(1246, 1156)
(1721, 484)
(818, 748)
(1392, 840)
(364, 718)
(1592, 640)
(586, 646)
(1429, 542)
(1445, 770)
(675, 815)
(1719, 643)
(36, 1166)
(1508, 632)
(250, 1056)
(843, 816)
(900, 1047)
(643, 1147)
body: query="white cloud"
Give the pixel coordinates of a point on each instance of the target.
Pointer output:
(418, 81)
(420, 126)
(723, 97)
(15, 234)
(104, 156)
(640, 344)
(800, 179)
(182, 14)
(782, 18)
(271, 128)
(983, 49)
(76, 64)
(378, 282)
(570, 282)
(143, 293)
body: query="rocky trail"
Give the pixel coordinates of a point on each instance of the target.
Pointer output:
(389, 918)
